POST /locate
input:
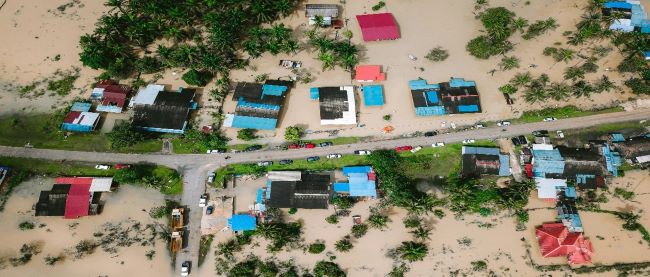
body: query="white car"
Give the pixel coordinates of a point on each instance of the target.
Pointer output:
(265, 163)
(438, 144)
(334, 156)
(416, 149)
(103, 167)
(468, 141)
(550, 119)
(203, 201)
(185, 268)
(480, 126)
(362, 152)
(503, 123)
(560, 134)
(211, 177)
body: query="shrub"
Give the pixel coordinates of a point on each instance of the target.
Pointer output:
(359, 230)
(378, 221)
(26, 225)
(439, 213)
(620, 192)
(194, 77)
(437, 54)
(316, 248)
(293, 210)
(124, 135)
(332, 219)
(479, 265)
(412, 222)
(246, 134)
(387, 117)
(378, 6)
(329, 269)
(344, 244)
(343, 202)
(293, 133)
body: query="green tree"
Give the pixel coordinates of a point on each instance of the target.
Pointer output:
(246, 134)
(124, 135)
(558, 91)
(574, 73)
(437, 54)
(421, 233)
(343, 245)
(197, 78)
(293, 133)
(508, 89)
(413, 251)
(378, 221)
(582, 89)
(508, 63)
(359, 230)
(316, 247)
(498, 22)
(521, 79)
(329, 269)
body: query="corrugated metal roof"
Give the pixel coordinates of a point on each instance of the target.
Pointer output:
(380, 26)
(259, 123)
(547, 188)
(356, 169)
(242, 222)
(147, 95)
(78, 201)
(369, 73)
(324, 10)
(80, 107)
(504, 165)
(284, 175)
(480, 150)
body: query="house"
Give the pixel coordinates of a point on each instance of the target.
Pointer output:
(567, 212)
(616, 137)
(633, 16)
(477, 161)
(635, 150)
(555, 240)
(258, 105)
(373, 95)
(157, 110)
(379, 26)
(294, 189)
(547, 188)
(328, 12)
(612, 159)
(80, 119)
(454, 97)
(337, 105)
(242, 222)
(361, 182)
(112, 96)
(73, 197)
(546, 161)
(369, 74)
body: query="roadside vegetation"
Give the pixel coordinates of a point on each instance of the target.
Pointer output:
(560, 113)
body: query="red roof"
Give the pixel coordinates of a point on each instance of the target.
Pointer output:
(74, 180)
(113, 98)
(380, 26)
(555, 240)
(71, 117)
(78, 201)
(369, 73)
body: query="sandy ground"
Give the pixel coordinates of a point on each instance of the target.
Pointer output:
(57, 235)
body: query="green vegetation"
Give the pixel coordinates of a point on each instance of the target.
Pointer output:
(498, 24)
(316, 248)
(195, 141)
(280, 234)
(412, 251)
(387, 117)
(26, 225)
(164, 179)
(332, 52)
(293, 133)
(479, 265)
(332, 219)
(204, 247)
(377, 220)
(540, 27)
(65, 84)
(15, 177)
(378, 6)
(437, 54)
(164, 211)
(246, 134)
(563, 112)
(344, 244)
(508, 63)
(329, 269)
(359, 230)
(623, 193)
(124, 135)
(343, 202)
(194, 77)
(560, 54)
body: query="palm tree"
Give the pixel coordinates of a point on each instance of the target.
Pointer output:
(535, 94)
(508, 63)
(413, 251)
(582, 88)
(508, 89)
(378, 221)
(328, 60)
(343, 245)
(564, 55)
(558, 91)
(520, 23)
(574, 73)
(604, 84)
(421, 233)
(521, 79)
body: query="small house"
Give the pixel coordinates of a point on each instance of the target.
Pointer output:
(328, 12)
(484, 160)
(111, 95)
(73, 197)
(380, 26)
(369, 74)
(457, 96)
(157, 110)
(361, 182)
(337, 105)
(79, 119)
(242, 222)
(258, 105)
(295, 189)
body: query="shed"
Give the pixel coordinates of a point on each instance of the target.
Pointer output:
(547, 188)
(242, 222)
(83, 122)
(380, 26)
(324, 10)
(373, 95)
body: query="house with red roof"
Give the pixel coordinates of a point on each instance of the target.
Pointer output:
(555, 240)
(379, 26)
(73, 197)
(369, 73)
(112, 96)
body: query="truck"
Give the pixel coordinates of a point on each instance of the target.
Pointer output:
(177, 218)
(176, 241)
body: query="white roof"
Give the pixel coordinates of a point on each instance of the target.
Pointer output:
(547, 188)
(98, 91)
(542, 147)
(147, 95)
(643, 159)
(349, 117)
(285, 176)
(228, 119)
(86, 119)
(101, 185)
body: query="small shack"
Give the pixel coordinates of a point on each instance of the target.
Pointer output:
(328, 12)
(373, 95)
(337, 105)
(361, 182)
(79, 119)
(242, 222)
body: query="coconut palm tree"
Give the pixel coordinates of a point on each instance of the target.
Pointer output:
(582, 89)
(343, 245)
(521, 79)
(508, 63)
(421, 233)
(520, 23)
(558, 91)
(564, 55)
(328, 60)
(378, 221)
(604, 84)
(413, 251)
(574, 73)
(535, 94)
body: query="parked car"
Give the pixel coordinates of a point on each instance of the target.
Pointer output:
(546, 119)
(503, 123)
(313, 159)
(334, 156)
(362, 152)
(559, 134)
(325, 144)
(416, 149)
(403, 148)
(294, 146)
(430, 134)
(479, 126)
(265, 163)
(540, 133)
(103, 166)
(468, 141)
(185, 268)
(209, 210)
(438, 144)
(216, 151)
(254, 147)
(310, 145)
(211, 177)
(203, 200)
(122, 166)
(286, 162)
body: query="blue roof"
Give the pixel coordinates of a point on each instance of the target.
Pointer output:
(81, 107)
(467, 108)
(460, 82)
(617, 5)
(259, 123)
(242, 222)
(617, 137)
(480, 150)
(582, 178)
(548, 155)
(504, 165)
(360, 186)
(612, 160)
(570, 192)
(422, 84)
(428, 111)
(432, 96)
(541, 167)
(646, 53)
(244, 103)
(274, 90)
(356, 169)
(313, 93)
(342, 187)
(373, 95)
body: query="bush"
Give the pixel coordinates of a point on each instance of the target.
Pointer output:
(412, 222)
(293, 133)
(52, 260)
(26, 225)
(293, 210)
(359, 230)
(437, 54)
(329, 269)
(124, 135)
(344, 244)
(246, 134)
(620, 192)
(194, 77)
(316, 248)
(479, 265)
(378, 6)
(378, 221)
(439, 213)
(387, 117)
(343, 202)
(332, 219)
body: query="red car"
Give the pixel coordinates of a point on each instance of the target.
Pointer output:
(310, 145)
(403, 148)
(294, 146)
(122, 166)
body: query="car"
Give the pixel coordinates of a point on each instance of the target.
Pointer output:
(310, 145)
(430, 134)
(438, 144)
(453, 125)
(313, 159)
(468, 141)
(185, 268)
(294, 146)
(211, 177)
(540, 133)
(216, 151)
(209, 210)
(265, 163)
(416, 149)
(122, 166)
(334, 156)
(503, 123)
(479, 126)
(362, 152)
(547, 119)
(286, 162)
(203, 200)
(559, 134)
(404, 148)
(516, 141)
(325, 144)
(103, 166)
(254, 147)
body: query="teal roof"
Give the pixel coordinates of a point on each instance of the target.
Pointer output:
(273, 90)
(313, 93)
(81, 107)
(422, 84)
(373, 95)
(242, 222)
(428, 111)
(259, 123)
(460, 82)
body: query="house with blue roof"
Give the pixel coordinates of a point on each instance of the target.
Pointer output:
(373, 95)
(457, 96)
(242, 222)
(566, 209)
(477, 161)
(258, 105)
(634, 16)
(362, 182)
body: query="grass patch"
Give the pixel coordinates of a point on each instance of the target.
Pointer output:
(204, 247)
(563, 112)
(338, 141)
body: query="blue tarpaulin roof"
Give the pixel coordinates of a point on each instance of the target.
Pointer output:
(570, 192)
(617, 137)
(373, 95)
(547, 155)
(313, 93)
(467, 108)
(259, 123)
(80, 107)
(356, 169)
(428, 111)
(242, 222)
(422, 84)
(612, 160)
(273, 90)
(342, 187)
(432, 96)
(617, 5)
(504, 165)
(460, 82)
(647, 54)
